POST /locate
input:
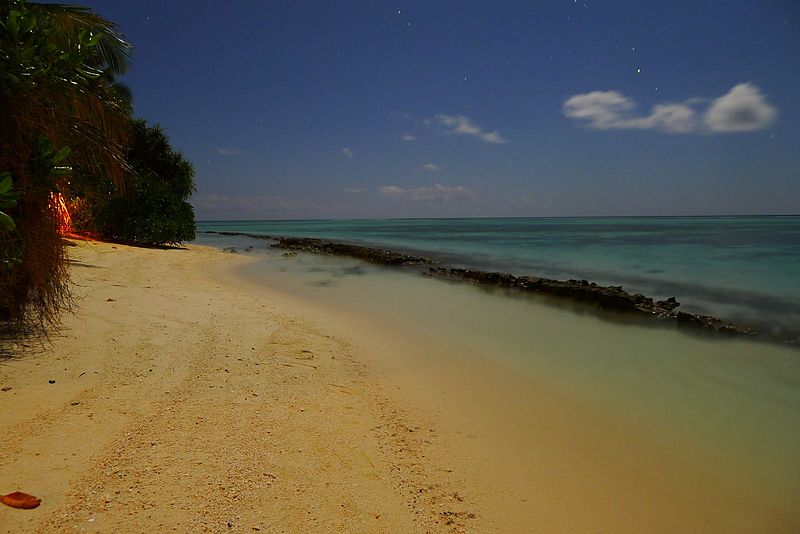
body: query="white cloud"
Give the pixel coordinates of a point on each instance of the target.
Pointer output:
(608, 110)
(492, 137)
(409, 138)
(742, 109)
(346, 152)
(601, 108)
(430, 167)
(436, 192)
(463, 125)
(672, 118)
(354, 190)
(390, 190)
(228, 151)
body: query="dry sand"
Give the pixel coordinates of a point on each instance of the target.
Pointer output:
(184, 402)
(188, 400)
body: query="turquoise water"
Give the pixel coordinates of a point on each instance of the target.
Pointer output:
(744, 269)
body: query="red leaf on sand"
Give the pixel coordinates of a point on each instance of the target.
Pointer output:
(20, 500)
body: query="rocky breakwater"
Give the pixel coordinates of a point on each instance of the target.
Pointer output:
(372, 255)
(605, 297)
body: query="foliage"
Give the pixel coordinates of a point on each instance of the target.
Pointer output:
(8, 199)
(157, 212)
(57, 69)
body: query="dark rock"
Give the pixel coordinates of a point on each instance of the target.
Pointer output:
(51, 381)
(608, 298)
(372, 255)
(712, 323)
(669, 304)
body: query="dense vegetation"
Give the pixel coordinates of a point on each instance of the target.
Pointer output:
(157, 211)
(67, 132)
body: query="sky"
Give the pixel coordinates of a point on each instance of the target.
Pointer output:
(371, 109)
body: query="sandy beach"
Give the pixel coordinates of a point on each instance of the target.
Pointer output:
(180, 403)
(184, 398)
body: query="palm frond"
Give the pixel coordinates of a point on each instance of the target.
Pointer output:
(113, 51)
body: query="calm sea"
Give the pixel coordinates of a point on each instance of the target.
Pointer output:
(744, 269)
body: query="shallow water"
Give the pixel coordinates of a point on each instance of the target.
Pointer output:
(728, 409)
(744, 269)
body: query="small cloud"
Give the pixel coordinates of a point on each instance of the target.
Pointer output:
(601, 108)
(434, 193)
(743, 109)
(463, 125)
(354, 190)
(430, 167)
(391, 190)
(346, 152)
(228, 151)
(609, 110)
(492, 137)
(409, 138)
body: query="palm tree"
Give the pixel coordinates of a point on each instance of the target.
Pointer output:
(58, 108)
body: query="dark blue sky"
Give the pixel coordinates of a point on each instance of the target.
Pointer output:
(394, 109)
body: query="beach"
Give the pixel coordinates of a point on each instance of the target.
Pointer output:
(186, 397)
(180, 404)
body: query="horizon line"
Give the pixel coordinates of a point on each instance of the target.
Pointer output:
(729, 216)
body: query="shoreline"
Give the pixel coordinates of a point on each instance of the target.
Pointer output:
(604, 298)
(188, 397)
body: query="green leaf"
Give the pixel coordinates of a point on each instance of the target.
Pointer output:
(30, 22)
(11, 23)
(5, 182)
(61, 155)
(6, 222)
(95, 39)
(45, 147)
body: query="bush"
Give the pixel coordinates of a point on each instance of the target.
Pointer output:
(157, 212)
(153, 216)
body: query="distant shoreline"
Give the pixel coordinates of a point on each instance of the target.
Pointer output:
(606, 298)
(543, 217)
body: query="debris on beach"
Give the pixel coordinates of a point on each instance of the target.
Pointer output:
(20, 500)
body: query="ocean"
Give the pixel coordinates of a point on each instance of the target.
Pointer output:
(725, 411)
(742, 269)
